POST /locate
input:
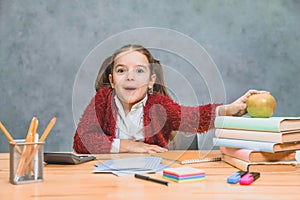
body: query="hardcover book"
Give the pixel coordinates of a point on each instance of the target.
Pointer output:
(278, 166)
(258, 156)
(278, 137)
(257, 145)
(273, 124)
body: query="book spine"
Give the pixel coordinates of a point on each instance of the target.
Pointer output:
(249, 135)
(246, 123)
(240, 164)
(245, 144)
(243, 154)
(261, 166)
(258, 156)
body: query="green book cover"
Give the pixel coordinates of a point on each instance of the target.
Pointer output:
(274, 124)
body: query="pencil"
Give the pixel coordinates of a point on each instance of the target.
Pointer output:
(34, 128)
(26, 149)
(26, 152)
(6, 133)
(10, 139)
(48, 129)
(42, 139)
(34, 134)
(30, 158)
(31, 126)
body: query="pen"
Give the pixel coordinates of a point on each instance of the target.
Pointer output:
(36, 169)
(147, 178)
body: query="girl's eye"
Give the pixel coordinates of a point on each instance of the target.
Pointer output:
(120, 70)
(140, 70)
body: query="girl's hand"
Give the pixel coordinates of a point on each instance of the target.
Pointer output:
(139, 147)
(238, 107)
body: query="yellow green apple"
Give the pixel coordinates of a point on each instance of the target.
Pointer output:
(261, 105)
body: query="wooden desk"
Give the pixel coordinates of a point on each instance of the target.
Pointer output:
(78, 182)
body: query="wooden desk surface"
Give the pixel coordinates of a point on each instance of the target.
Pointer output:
(78, 182)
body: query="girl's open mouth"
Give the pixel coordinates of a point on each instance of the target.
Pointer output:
(127, 88)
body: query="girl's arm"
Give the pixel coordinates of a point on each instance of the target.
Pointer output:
(139, 147)
(238, 107)
(89, 136)
(166, 116)
(197, 119)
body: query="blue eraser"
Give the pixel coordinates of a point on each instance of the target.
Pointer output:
(235, 177)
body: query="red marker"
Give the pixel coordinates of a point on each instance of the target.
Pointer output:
(249, 178)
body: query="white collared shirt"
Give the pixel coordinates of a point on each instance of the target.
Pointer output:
(129, 126)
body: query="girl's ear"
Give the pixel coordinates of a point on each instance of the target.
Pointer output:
(111, 80)
(152, 81)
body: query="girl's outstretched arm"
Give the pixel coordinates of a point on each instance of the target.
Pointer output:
(238, 107)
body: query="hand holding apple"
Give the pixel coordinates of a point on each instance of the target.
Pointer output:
(239, 106)
(261, 105)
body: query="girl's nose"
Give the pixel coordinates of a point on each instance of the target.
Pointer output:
(130, 75)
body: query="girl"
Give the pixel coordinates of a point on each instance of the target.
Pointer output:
(132, 110)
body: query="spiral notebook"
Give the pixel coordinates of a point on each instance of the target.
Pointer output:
(190, 157)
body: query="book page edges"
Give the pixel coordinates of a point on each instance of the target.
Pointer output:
(243, 154)
(252, 156)
(277, 137)
(290, 124)
(275, 124)
(260, 166)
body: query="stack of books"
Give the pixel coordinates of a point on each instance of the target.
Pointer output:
(183, 174)
(259, 144)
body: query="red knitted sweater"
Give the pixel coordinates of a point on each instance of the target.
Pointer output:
(97, 126)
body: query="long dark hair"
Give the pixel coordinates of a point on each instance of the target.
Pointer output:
(102, 79)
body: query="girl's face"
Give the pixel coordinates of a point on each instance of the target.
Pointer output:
(131, 77)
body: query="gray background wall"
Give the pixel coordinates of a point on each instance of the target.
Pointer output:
(254, 43)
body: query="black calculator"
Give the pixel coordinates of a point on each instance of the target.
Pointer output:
(66, 158)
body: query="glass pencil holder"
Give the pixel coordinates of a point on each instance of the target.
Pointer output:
(26, 162)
